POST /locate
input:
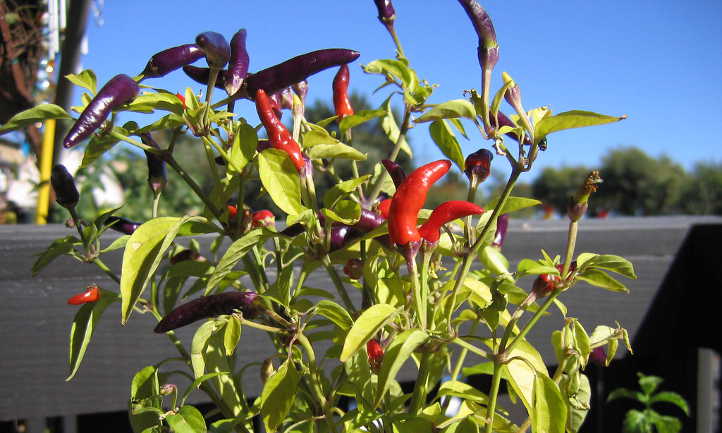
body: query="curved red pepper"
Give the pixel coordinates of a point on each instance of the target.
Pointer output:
(375, 354)
(385, 207)
(278, 135)
(444, 213)
(91, 294)
(263, 218)
(409, 199)
(341, 103)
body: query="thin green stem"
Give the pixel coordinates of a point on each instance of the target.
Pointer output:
(571, 244)
(397, 41)
(529, 325)
(493, 394)
(424, 277)
(420, 387)
(156, 202)
(326, 260)
(103, 267)
(194, 186)
(223, 153)
(209, 92)
(419, 304)
(260, 326)
(376, 190)
(76, 223)
(315, 380)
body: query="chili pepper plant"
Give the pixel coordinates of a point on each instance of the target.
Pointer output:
(423, 291)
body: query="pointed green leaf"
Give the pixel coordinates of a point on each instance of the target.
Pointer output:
(673, 398)
(198, 346)
(233, 255)
(56, 249)
(83, 327)
(391, 128)
(635, 421)
(280, 179)
(397, 353)
(341, 189)
(364, 328)
(187, 420)
(336, 150)
(335, 313)
(462, 390)
(197, 383)
(148, 102)
(38, 113)
(612, 263)
(231, 335)
(550, 413)
(449, 109)
(664, 423)
(582, 339)
(144, 393)
(649, 384)
(97, 146)
(243, 147)
(278, 395)
(599, 278)
(359, 118)
(569, 120)
(532, 267)
(346, 212)
(85, 79)
(446, 141)
(518, 203)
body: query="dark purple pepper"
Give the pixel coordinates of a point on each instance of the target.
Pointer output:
(368, 221)
(502, 224)
(294, 230)
(185, 255)
(171, 59)
(354, 268)
(339, 236)
(395, 171)
(386, 10)
(209, 306)
(598, 356)
(297, 69)
(116, 92)
(66, 194)
(478, 165)
(201, 75)
(157, 178)
(122, 225)
(215, 47)
(238, 65)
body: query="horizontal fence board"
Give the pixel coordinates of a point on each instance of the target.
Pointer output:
(35, 320)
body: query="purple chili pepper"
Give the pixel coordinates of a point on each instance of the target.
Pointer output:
(209, 306)
(238, 65)
(502, 224)
(478, 164)
(488, 49)
(202, 75)
(598, 356)
(157, 178)
(339, 236)
(297, 69)
(66, 194)
(386, 10)
(215, 47)
(395, 171)
(294, 230)
(368, 221)
(116, 92)
(171, 59)
(122, 225)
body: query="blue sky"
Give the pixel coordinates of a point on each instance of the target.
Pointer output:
(657, 61)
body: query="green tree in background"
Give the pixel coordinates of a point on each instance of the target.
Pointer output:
(703, 190)
(554, 186)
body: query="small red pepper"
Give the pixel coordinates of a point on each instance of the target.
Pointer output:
(385, 207)
(278, 135)
(478, 164)
(409, 199)
(444, 213)
(91, 294)
(547, 283)
(375, 354)
(353, 268)
(341, 102)
(263, 218)
(232, 211)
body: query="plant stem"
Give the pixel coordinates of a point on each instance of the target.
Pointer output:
(419, 304)
(420, 387)
(493, 394)
(103, 267)
(156, 202)
(76, 223)
(314, 378)
(539, 313)
(571, 244)
(376, 190)
(425, 263)
(338, 283)
(194, 186)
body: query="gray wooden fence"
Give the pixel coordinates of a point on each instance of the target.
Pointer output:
(35, 320)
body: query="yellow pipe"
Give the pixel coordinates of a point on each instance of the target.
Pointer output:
(46, 166)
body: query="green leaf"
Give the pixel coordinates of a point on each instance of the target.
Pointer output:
(84, 79)
(150, 101)
(671, 397)
(56, 249)
(97, 146)
(197, 383)
(117, 244)
(337, 150)
(578, 404)
(598, 278)
(243, 147)
(38, 113)
(635, 422)
(393, 69)
(144, 393)
(550, 412)
(664, 424)
(582, 339)
(84, 324)
(364, 328)
(234, 253)
(144, 251)
(169, 121)
(278, 395)
(621, 393)
(198, 347)
(494, 260)
(445, 140)
(316, 136)
(532, 267)
(448, 110)
(359, 118)
(335, 313)
(521, 374)
(231, 335)
(346, 212)
(187, 420)
(518, 203)
(466, 425)
(649, 384)
(391, 128)
(397, 353)
(612, 263)
(280, 179)
(569, 120)
(343, 188)
(462, 390)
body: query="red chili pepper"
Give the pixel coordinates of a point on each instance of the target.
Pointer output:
(444, 213)
(375, 354)
(478, 164)
(91, 294)
(278, 135)
(353, 268)
(409, 199)
(385, 207)
(340, 93)
(232, 211)
(263, 218)
(547, 283)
